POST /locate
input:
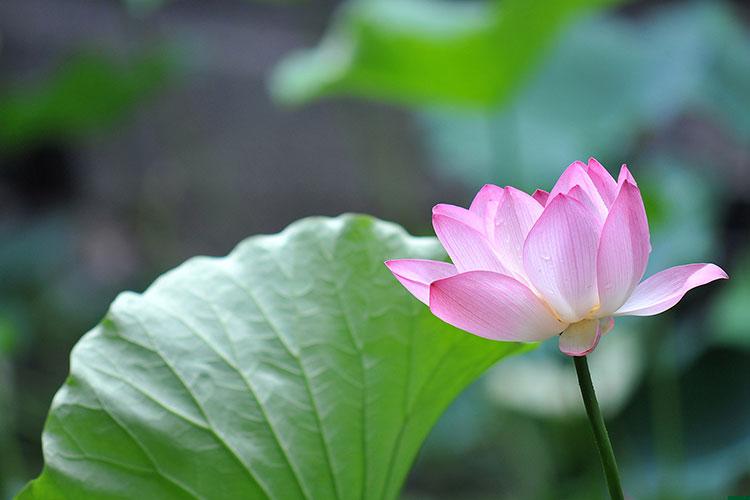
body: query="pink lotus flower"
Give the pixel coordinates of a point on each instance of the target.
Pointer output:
(527, 268)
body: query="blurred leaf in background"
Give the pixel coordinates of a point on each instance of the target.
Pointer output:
(86, 93)
(427, 51)
(601, 98)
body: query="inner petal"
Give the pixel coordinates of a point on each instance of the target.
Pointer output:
(559, 257)
(507, 231)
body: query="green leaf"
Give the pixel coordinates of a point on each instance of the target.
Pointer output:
(296, 367)
(88, 91)
(426, 51)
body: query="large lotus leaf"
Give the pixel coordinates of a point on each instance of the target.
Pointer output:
(296, 367)
(427, 51)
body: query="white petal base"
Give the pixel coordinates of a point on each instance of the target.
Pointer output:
(580, 338)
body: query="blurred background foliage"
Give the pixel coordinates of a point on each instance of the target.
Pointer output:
(136, 134)
(54, 107)
(427, 51)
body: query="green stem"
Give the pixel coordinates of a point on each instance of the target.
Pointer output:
(600, 431)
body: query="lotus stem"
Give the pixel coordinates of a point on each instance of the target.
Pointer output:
(601, 437)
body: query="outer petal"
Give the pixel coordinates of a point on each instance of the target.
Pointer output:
(541, 196)
(604, 182)
(493, 306)
(664, 289)
(507, 232)
(576, 175)
(460, 214)
(416, 274)
(623, 249)
(559, 257)
(488, 193)
(580, 338)
(461, 233)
